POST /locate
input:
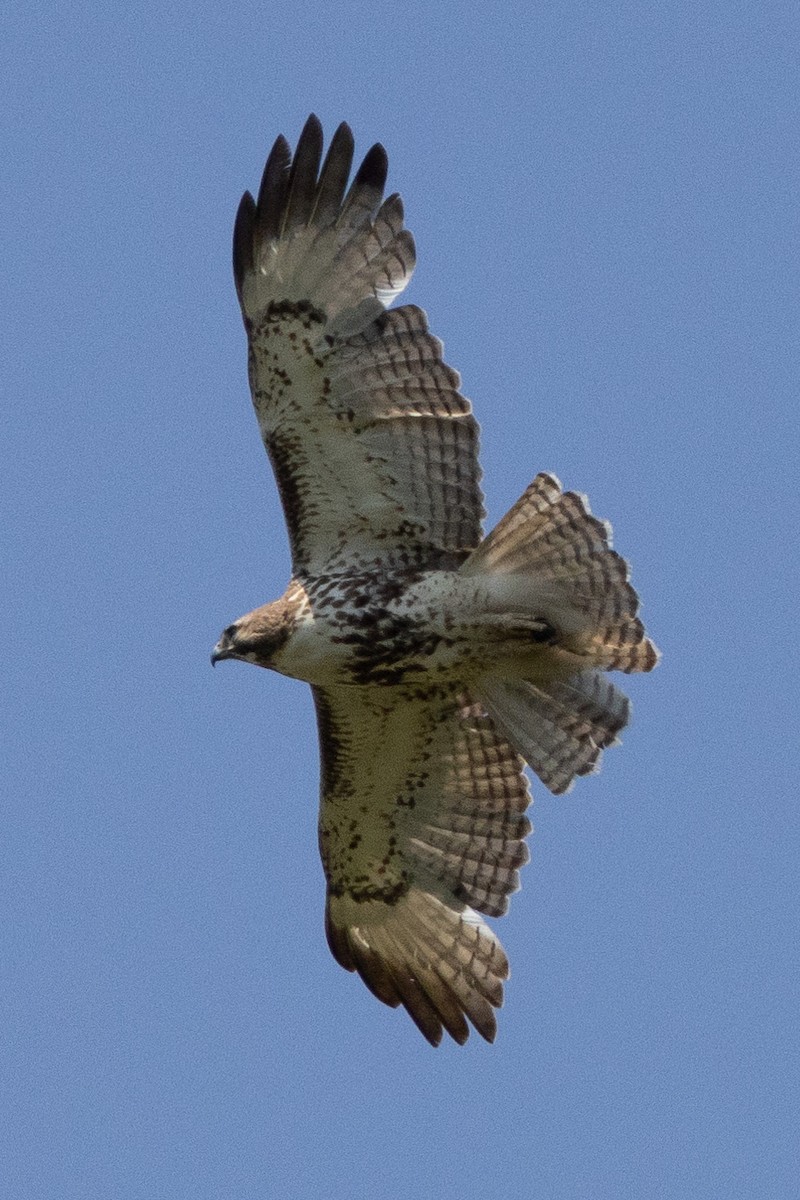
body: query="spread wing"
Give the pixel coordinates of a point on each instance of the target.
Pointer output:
(374, 448)
(422, 823)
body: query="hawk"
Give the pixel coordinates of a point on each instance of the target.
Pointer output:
(440, 661)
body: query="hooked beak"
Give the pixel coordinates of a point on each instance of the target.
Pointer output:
(221, 651)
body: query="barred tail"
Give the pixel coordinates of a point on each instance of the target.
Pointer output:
(550, 542)
(550, 561)
(560, 728)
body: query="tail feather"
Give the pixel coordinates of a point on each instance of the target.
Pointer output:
(537, 527)
(560, 728)
(551, 543)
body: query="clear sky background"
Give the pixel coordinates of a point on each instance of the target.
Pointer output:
(605, 201)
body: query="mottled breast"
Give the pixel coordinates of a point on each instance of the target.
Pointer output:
(366, 628)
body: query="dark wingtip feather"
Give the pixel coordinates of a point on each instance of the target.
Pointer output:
(343, 134)
(418, 1006)
(334, 174)
(374, 169)
(302, 185)
(338, 943)
(272, 193)
(375, 974)
(488, 1031)
(295, 192)
(243, 241)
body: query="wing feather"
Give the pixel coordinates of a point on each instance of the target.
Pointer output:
(243, 242)
(302, 182)
(422, 823)
(374, 448)
(272, 192)
(333, 177)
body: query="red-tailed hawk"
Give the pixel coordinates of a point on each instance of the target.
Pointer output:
(440, 662)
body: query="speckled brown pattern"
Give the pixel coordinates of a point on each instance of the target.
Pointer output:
(439, 663)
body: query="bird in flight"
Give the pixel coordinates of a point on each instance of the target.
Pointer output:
(440, 661)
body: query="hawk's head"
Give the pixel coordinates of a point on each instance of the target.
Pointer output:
(257, 637)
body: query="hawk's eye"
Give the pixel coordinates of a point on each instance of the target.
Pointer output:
(542, 632)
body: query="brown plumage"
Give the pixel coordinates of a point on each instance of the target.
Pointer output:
(439, 662)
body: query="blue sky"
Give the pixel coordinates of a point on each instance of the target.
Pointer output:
(604, 199)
